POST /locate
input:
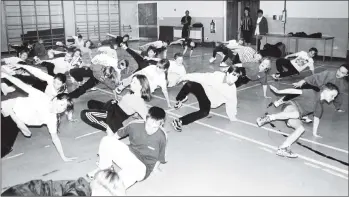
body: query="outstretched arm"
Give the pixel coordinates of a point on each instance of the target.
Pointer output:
(292, 55)
(177, 41)
(286, 91)
(111, 35)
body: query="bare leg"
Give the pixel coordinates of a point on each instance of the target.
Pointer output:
(299, 130)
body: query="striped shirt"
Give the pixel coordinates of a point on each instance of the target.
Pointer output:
(246, 54)
(246, 24)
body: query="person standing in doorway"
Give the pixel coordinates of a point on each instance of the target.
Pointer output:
(246, 26)
(186, 21)
(261, 28)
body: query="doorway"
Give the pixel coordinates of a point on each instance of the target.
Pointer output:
(147, 20)
(235, 10)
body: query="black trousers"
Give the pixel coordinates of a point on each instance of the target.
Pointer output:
(246, 35)
(78, 74)
(227, 54)
(9, 132)
(30, 80)
(50, 67)
(283, 63)
(204, 103)
(139, 59)
(100, 115)
(185, 31)
(304, 86)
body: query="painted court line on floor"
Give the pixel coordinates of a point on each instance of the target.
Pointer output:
(262, 144)
(335, 173)
(312, 165)
(265, 128)
(265, 145)
(266, 149)
(88, 134)
(14, 156)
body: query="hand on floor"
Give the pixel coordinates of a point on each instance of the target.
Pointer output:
(69, 159)
(267, 97)
(316, 135)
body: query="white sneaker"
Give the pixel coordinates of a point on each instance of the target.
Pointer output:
(93, 89)
(7, 89)
(223, 64)
(278, 103)
(212, 59)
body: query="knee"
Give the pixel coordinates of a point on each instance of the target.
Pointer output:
(90, 104)
(205, 112)
(83, 115)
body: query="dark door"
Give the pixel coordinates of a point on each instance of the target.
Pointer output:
(147, 19)
(232, 19)
(254, 6)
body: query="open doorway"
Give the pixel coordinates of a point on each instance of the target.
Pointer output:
(235, 10)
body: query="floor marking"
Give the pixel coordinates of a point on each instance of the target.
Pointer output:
(266, 149)
(312, 165)
(234, 138)
(201, 55)
(335, 173)
(265, 128)
(261, 143)
(13, 156)
(88, 134)
(50, 172)
(47, 146)
(266, 145)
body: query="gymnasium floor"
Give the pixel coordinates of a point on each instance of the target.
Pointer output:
(212, 156)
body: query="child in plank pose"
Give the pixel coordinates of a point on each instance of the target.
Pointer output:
(186, 43)
(212, 90)
(307, 102)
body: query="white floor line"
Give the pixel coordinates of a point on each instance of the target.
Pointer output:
(312, 165)
(261, 143)
(13, 156)
(265, 128)
(265, 145)
(88, 134)
(266, 149)
(335, 173)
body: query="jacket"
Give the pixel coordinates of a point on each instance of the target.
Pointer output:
(50, 188)
(263, 26)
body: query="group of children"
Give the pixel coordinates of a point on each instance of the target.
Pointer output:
(119, 165)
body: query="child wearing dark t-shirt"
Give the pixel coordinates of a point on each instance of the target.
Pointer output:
(186, 43)
(308, 102)
(144, 153)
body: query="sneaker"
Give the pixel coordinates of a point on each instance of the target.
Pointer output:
(223, 64)
(278, 103)
(180, 103)
(212, 59)
(276, 76)
(93, 89)
(119, 89)
(285, 152)
(263, 120)
(177, 125)
(306, 119)
(7, 89)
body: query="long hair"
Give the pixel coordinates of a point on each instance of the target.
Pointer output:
(145, 91)
(165, 64)
(69, 108)
(91, 44)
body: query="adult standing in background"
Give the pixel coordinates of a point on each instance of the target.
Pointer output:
(261, 28)
(246, 26)
(186, 21)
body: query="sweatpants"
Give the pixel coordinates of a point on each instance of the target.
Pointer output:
(102, 115)
(78, 74)
(9, 132)
(283, 63)
(204, 103)
(113, 150)
(141, 62)
(227, 54)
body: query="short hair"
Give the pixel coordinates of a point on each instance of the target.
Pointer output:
(126, 35)
(127, 63)
(176, 55)
(239, 70)
(314, 49)
(111, 181)
(156, 113)
(23, 51)
(79, 36)
(331, 86)
(247, 8)
(260, 11)
(164, 63)
(91, 43)
(145, 91)
(153, 49)
(346, 66)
